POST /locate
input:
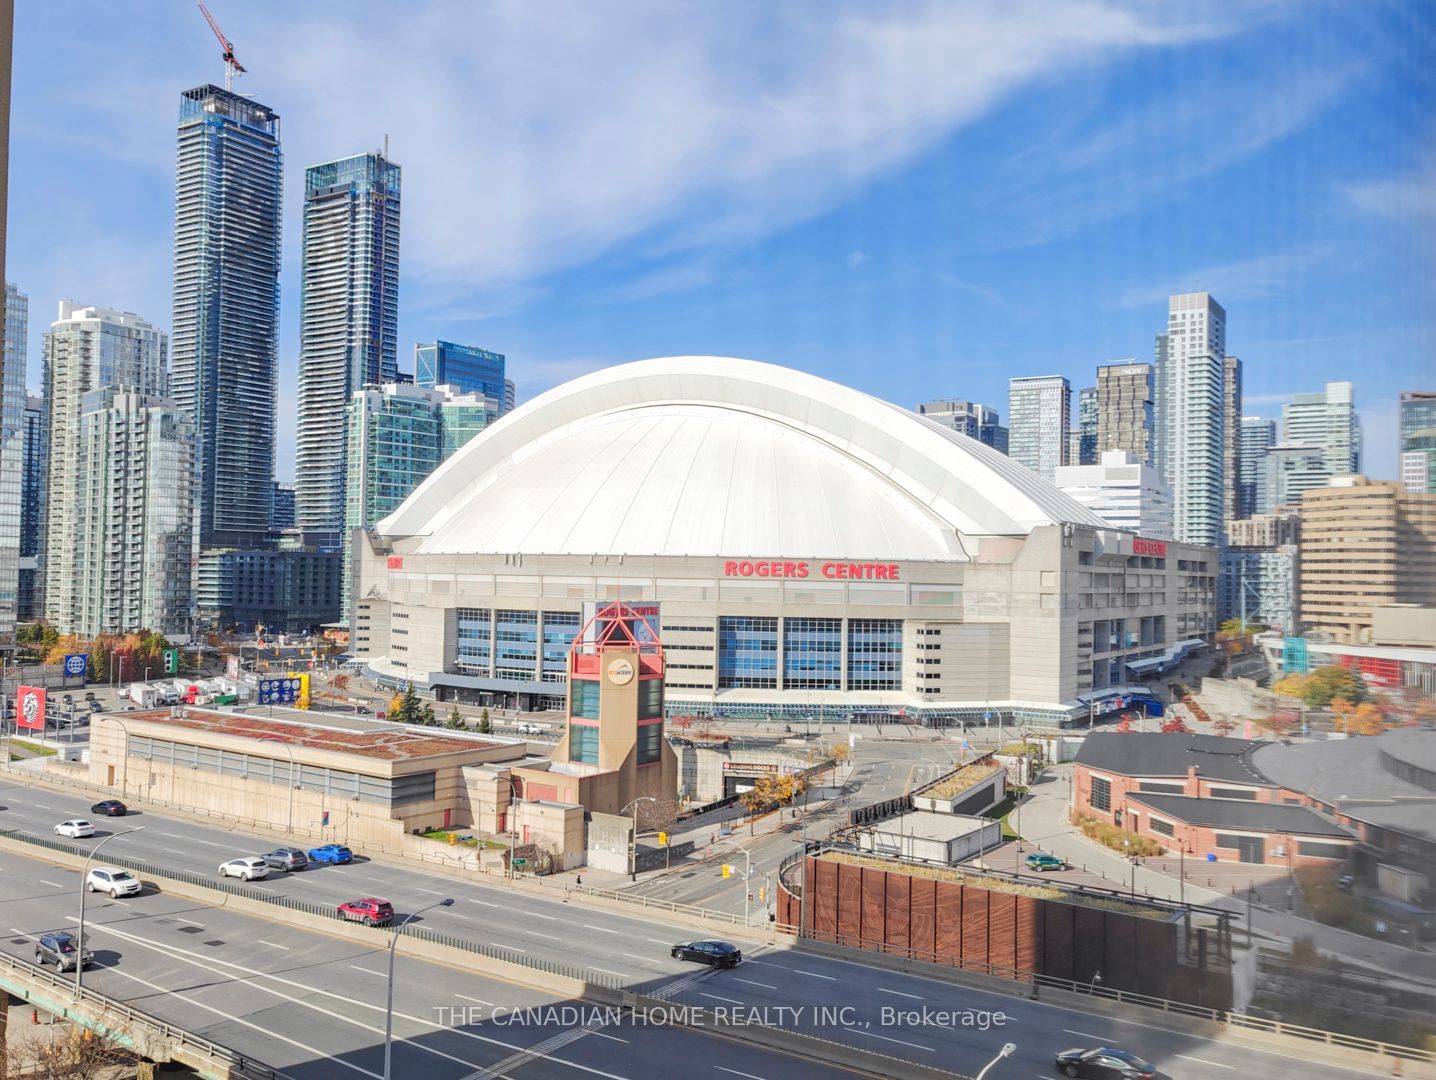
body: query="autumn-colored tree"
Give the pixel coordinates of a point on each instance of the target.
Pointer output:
(840, 752)
(396, 704)
(1368, 719)
(1292, 686)
(64, 645)
(1175, 726)
(1424, 712)
(682, 723)
(1124, 726)
(1342, 713)
(1224, 725)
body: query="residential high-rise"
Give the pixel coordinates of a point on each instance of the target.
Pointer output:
(283, 515)
(226, 307)
(1231, 439)
(1417, 425)
(1327, 420)
(1124, 408)
(12, 456)
(1257, 436)
(87, 349)
(1260, 579)
(968, 418)
(1291, 469)
(1123, 492)
(398, 433)
(1039, 415)
(30, 593)
(467, 368)
(1364, 544)
(1190, 402)
(349, 321)
(1082, 440)
(131, 565)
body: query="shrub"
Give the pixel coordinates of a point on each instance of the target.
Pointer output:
(1119, 840)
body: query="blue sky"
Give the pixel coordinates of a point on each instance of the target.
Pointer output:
(919, 200)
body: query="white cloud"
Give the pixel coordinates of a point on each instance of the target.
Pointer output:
(856, 259)
(1409, 196)
(1250, 279)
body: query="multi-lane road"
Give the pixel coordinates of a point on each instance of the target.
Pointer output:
(931, 1021)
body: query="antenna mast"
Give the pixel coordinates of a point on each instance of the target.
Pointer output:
(232, 67)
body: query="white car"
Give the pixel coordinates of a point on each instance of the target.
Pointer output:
(75, 828)
(246, 869)
(113, 880)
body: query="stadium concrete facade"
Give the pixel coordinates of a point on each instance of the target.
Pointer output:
(804, 548)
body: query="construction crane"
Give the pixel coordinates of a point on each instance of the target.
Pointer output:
(232, 67)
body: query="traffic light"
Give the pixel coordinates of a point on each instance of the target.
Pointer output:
(663, 839)
(762, 893)
(727, 870)
(453, 839)
(171, 661)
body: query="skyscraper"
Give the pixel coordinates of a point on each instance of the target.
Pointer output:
(1039, 414)
(131, 564)
(226, 307)
(1327, 420)
(30, 594)
(968, 418)
(1231, 438)
(1082, 440)
(1290, 469)
(1190, 405)
(1124, 408)
(398, 434)
(1418, 440)
(349, 321)
(1123, 492)
(87, 349)
(283, 517)
(12, 456)
(467, 368)
(1257, 435)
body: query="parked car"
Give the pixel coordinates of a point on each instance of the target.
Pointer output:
(531, 729)
(113, 880)
(110, 808)
(719, 954)
(60, 949)
(246, 868)
(331, 853)
(1346, 882)
(75, 828)
(370, 910)
(1040, 861)
(286, 859)
(1105, 1063)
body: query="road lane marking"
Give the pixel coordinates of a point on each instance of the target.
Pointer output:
(601, 1035)
(535, 933)
(600, 929)
(530, 914)
(191, 922)
(431, 892)
(52, 884)
(814, 974)
(122, 903)
(658, 941)
(636, 956)
(750, 982)
(609, 971)
(1204, 1061)
(172, 836)
(368, 971)
(273, 945)
(206, 843)
(511, 948)
(899, 993)
(1087, 1035)
(480, 1001)
(456, 915)
(41, 806)
(716, 997)
(887, 1038)
(735, 1072)
(174, 851)
(485, 903)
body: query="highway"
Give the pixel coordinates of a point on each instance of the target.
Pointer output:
(866, 1005)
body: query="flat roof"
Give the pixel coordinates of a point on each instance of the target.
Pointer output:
(1169, 754)
(1241, 814)
(930, 825)
(389, 742)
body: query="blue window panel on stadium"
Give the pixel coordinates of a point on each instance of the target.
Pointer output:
(813, 654)
(516, 645)
(747, 653)
(559, 630)
(475, 641)
(583, 743)
(874, 654)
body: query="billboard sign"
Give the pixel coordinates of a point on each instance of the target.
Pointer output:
(76, 664)
(30, 707)
(231, 666)
(285, 691)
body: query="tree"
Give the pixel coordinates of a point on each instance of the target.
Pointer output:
(1326, 684)
(1236, 628)
(1224, 726)
(1175, 726)
(1124, 726)
(456, 720)
(395, 707)
(1342, 713)
(1368, 719)
(1292, 686)
(486, 726)
(425, 716)
(1424, 713)
(839, 752)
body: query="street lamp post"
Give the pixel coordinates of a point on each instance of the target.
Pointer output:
(448, 901)
(633, 846)
(1008, 1049)
(290, 751)
(747, 879)
(84, 879)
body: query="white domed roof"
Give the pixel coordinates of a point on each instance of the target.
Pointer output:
(716, 456)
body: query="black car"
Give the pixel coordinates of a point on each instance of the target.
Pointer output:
(110, 808)
(60, 949)
(286, 858)
(717, 953)
(1105, 1063)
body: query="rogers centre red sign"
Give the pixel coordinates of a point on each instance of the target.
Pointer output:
(837, 571)
(1148, 547)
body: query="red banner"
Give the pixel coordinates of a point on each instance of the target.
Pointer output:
(30, 707)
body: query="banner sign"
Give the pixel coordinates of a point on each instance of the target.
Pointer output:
(278, 691)
(30, 707)
(76, 664)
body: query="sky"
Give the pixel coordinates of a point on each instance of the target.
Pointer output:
(920, 200)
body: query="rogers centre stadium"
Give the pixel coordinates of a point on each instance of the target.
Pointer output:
(806, 550)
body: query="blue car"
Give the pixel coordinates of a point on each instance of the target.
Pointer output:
(331, 853)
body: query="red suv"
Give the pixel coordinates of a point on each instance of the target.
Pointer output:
(371, 911)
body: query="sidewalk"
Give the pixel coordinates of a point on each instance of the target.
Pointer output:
(1044, 824)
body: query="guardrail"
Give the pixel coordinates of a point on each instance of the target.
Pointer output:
(661, 905)
(107, 1009)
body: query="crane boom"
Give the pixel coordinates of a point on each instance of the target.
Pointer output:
(232, 66)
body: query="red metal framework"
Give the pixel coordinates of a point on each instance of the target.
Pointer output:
(614, 621)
